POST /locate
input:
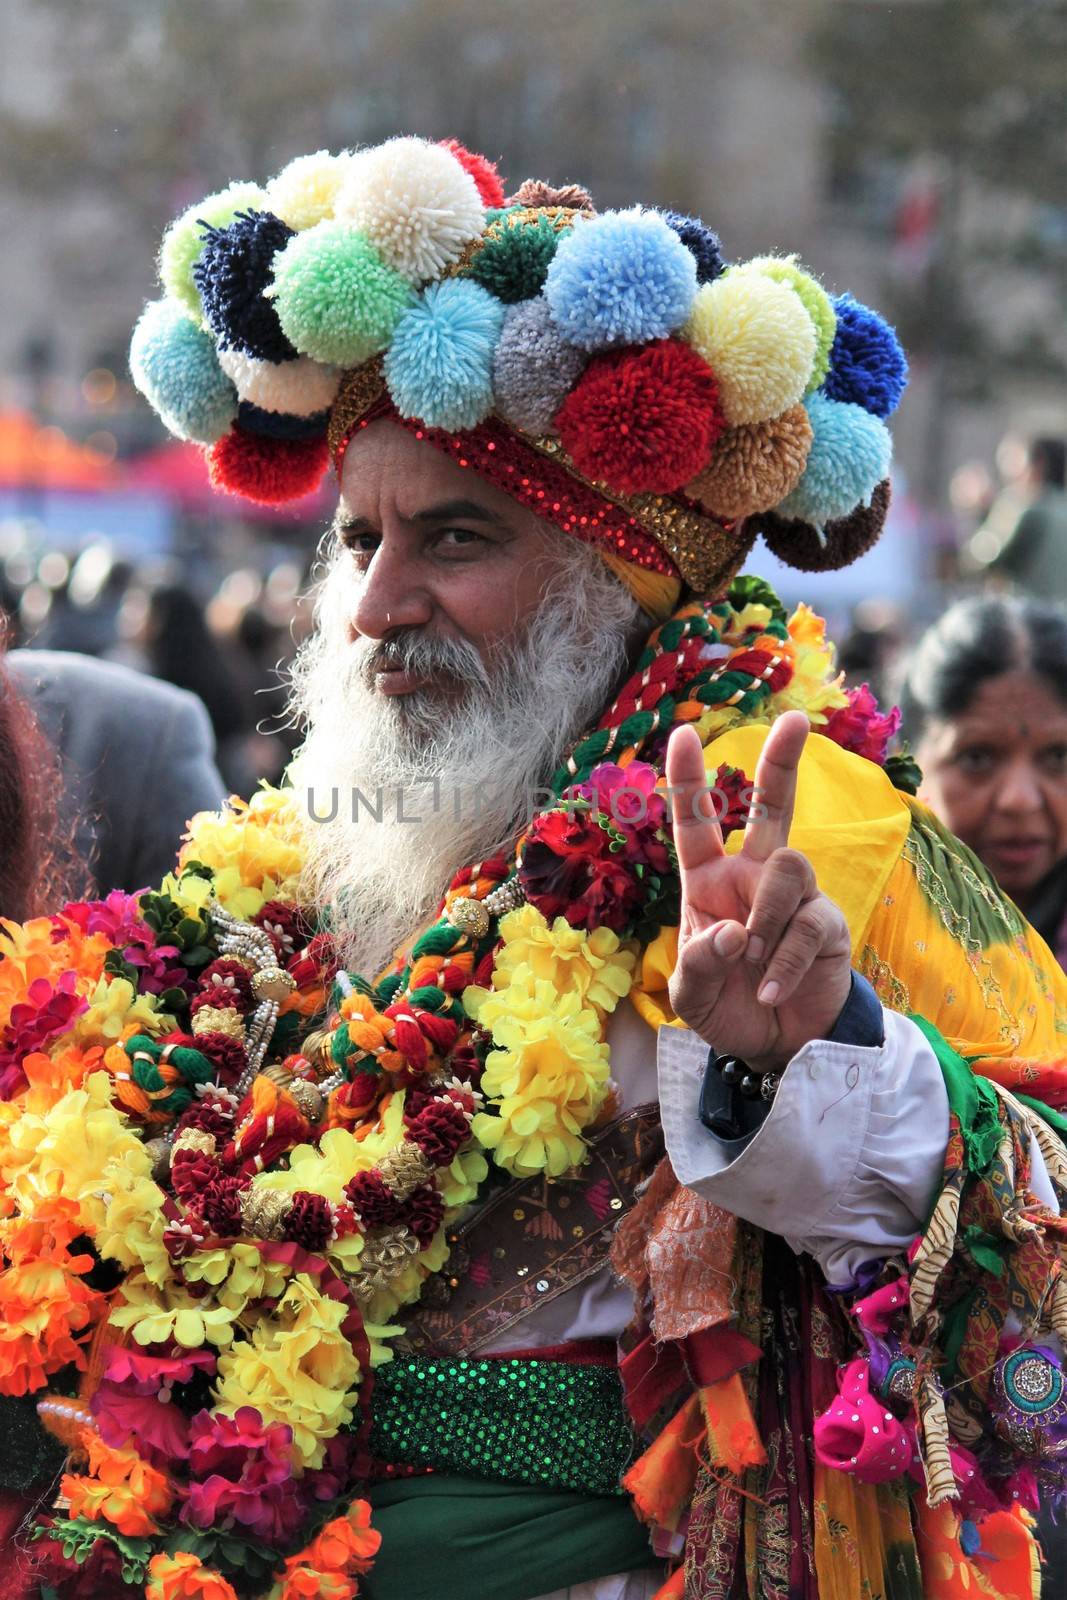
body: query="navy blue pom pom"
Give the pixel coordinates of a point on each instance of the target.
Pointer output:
(235, 266)
(281, 424)
(701, 241)
(867, 364)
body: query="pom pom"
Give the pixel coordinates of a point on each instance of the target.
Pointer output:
(532, 192)
(415, 203)
(233, 270)
(184, 240)
(701, 241)
(534, 368)
(336, 298)
(814, 299)
(850, 454)
(269, 471)
(755, 466)
(174, 364)
(758, 340)
(279, 424)
(868, 367)
(843, 540)
(622, 278)
(642, 420)
(439, 367)
(300, 388)
(305, 191)
(512, 257)
(485, 175)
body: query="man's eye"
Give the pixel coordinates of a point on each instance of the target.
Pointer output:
(359, 542)
(459, 539)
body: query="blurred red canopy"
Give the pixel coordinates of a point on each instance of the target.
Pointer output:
(39, 456)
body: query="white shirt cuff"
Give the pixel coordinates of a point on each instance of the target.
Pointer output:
(849, 1158)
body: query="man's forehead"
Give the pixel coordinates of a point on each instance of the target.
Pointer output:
(385, 465)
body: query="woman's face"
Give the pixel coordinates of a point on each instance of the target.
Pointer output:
(997, 775)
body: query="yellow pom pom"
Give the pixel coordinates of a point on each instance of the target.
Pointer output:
(758, 340)
(816, 302)
(304, 192)
(755, 466)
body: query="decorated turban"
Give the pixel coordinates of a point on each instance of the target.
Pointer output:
(608, 370)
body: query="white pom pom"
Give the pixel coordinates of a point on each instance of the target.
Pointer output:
(298, 388)
(415, 202)
(305, 191)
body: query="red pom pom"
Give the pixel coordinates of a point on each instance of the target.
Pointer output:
(643, 420)
(486, 177)
(269, 471)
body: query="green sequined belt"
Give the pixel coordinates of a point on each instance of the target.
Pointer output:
(517, 1420)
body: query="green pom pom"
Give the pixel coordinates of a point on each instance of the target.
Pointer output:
(336, 299)
(815, 300)
(184, 240)
(513, 261)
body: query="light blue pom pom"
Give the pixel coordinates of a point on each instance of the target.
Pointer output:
(849, 457)
(622, 278)
(439, 367)
(175, 366)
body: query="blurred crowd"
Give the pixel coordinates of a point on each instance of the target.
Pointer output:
(178, 667)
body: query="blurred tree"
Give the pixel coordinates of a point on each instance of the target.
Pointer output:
(956, 116)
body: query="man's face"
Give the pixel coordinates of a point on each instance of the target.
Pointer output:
(434, 549)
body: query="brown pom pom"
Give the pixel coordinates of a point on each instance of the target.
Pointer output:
(798, 545)
(533, 192)
(754, 466)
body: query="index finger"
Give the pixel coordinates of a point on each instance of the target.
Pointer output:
(771, 814)
(697, 835)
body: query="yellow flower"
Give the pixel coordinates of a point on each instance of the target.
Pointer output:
(403, 1290)
(550, 1077)
(131, 1227)
(753, 616)
(298, 1368)
(594, 966)
(459, 1183)
(66, 1148)
(154, 1315)
(236, 1274)
(116, 1010)
(256, 849)
(812, 688)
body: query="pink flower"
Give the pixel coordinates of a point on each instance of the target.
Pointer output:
(861, 727)
(133, 1402)
(242, 1469)
(119, 917)
(48, 1011)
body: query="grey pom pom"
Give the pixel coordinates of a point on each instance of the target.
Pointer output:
(534, 369)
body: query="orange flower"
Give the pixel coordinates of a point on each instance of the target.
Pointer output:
(347, 1545)
(46, 1310)
(29, 950)
(184, 1577)
(303, 1583)
(123, 1490)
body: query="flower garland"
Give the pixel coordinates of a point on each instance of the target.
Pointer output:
(225, 1165)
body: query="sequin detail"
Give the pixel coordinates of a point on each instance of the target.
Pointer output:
(511, 1420)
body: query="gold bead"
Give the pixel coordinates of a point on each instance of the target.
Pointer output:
(158, 1152)
(469, 917)
(308, 1099)
(273, 983)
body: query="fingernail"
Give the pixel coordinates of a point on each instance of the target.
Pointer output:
(769, 993)
(755, 948)
(726, 941)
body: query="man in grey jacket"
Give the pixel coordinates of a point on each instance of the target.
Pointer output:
(137, 757)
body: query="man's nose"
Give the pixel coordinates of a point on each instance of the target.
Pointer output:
(389, 597)
(1019, 790)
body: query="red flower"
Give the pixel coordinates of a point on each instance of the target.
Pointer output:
(309, 1221)
(423, 1212)
(98, 1577)
(225, 1052)
(219, 1204)
(371, 1197)
(440, 1130)
(643, 419)
(47, 1011)
(568, 870)
(861, 727)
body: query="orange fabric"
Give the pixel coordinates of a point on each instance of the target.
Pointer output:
(1008, 1570)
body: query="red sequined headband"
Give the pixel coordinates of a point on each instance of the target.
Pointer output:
(662, 533)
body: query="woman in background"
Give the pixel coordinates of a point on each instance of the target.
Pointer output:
(985, 707)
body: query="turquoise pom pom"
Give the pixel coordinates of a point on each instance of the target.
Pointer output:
(439, 367)
(849, 458)
(336, 299)
(622, 278)
(174, 364)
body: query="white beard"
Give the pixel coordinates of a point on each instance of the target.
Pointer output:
(482, 751)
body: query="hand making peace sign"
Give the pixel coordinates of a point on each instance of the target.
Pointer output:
(764, 961)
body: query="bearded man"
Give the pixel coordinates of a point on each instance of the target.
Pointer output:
(671, 1170)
